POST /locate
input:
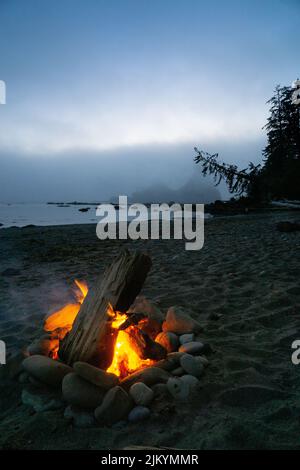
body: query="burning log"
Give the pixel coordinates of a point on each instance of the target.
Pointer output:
(133, 319)
(144, 346)
(92, 338)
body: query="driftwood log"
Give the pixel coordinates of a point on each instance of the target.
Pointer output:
(91, 338)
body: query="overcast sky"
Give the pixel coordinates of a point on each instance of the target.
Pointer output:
(110, 96)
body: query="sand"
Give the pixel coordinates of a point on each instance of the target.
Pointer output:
(243, 287)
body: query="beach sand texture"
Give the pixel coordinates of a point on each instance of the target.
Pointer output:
(243, 287)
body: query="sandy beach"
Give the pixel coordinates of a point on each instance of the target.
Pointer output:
(243, 287)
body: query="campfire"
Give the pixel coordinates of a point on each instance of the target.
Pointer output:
(110, 354)
(128, 346)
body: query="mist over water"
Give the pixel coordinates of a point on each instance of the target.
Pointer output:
(145, 173)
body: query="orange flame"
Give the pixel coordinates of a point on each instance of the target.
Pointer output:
(125, 359)
(64, 317)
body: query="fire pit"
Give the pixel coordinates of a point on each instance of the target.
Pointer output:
(104, 351)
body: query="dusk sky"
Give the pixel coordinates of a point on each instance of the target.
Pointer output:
(110, 97)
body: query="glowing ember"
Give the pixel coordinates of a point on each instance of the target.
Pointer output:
(64, 317)
(125, 359)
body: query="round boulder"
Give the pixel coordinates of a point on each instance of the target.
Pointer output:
(79, 392)
(138, 413)
(141, 394)
(96, 376)
(168, 340)
(115, 406)
(191, 366)
(194, 347)
(46, 370)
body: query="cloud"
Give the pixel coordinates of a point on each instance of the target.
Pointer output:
(129, 116)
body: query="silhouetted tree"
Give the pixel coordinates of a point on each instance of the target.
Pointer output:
(282, 152)
(238, 181)
(279, 176)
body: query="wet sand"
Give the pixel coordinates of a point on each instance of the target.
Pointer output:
(243, 287)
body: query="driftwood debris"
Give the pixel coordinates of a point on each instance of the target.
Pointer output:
(91, 338)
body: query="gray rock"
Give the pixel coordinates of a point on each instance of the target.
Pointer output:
(190, 380)
(187, 338)
(203, 359)
(160, 391)
(79, 392)
(168, 340)
(194, 347)
(96, 376)
(40, 400)
(138, 413)
(115, 406)
(46, 370)
(149, 376)
(79, 417)
(171, 362)
(141, 394)
(180, 390)
(179, 322)
(191, 365)
(43, 346)
(35, 382)
(178, 371)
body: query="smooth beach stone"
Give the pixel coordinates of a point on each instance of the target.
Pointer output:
(192, 348)
(179, 322)
(46, 370)
(79, 417)
(203, 360)
(190, 364)
(187, 338)
(79, 392)
(138, 413)
(115, 406)
(40, 400)
(190, 380)
(178, 371)
(43, 346)
(141, 394)
(149, 376)
(180, 390)
(168, 340)
(171, 361)
(160, 391)
(96, 376)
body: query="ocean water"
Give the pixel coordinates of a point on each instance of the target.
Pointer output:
(20, 215)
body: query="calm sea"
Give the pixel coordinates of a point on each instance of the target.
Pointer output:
(20, 215)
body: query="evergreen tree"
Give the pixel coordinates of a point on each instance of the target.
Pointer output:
(279, 177)
(282, 153)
